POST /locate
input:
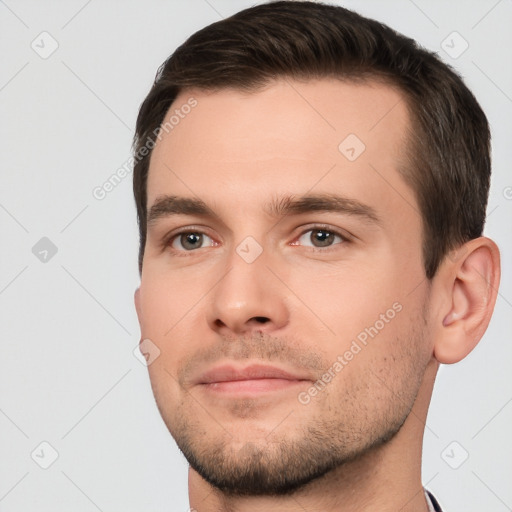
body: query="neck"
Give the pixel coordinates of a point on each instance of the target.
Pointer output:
(387, 478)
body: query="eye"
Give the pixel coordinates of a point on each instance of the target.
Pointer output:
(320, 237)
(190, 240)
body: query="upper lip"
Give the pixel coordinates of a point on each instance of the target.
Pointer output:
(227, 373)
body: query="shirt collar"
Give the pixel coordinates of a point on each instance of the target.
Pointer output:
(433, 506)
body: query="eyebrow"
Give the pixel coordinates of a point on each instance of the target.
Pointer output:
(169, 205)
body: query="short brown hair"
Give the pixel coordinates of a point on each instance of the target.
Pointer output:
(449, 145)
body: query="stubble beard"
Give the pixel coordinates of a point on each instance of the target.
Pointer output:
(364, 416)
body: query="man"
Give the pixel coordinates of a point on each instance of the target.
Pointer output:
(311, 191)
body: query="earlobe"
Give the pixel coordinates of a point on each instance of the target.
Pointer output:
(470, 287)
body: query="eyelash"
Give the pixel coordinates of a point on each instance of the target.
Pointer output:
(328, 229)
(318, 227)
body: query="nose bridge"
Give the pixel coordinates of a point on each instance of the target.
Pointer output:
(247, 296)
(246, 265)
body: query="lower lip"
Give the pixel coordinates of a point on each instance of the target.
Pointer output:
(252, 386)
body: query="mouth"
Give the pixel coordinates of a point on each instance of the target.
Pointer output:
(251, 386)
(251, 380)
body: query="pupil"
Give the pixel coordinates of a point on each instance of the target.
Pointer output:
(323, 238)
(191, 240)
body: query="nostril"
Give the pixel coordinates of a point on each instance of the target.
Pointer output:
(261, 319)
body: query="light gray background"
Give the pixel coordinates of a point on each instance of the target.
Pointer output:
(68, 375)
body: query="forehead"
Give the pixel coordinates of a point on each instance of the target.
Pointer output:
(287, 137)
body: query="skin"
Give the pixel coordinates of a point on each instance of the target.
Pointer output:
(297, 306)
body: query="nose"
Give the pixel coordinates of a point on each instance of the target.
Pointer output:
(248, 299)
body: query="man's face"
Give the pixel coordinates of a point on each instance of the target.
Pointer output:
(317, 303)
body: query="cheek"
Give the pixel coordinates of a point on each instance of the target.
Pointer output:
(345, 301)
(167, 315)
(382, 369)
(167, 302)
(166, 391)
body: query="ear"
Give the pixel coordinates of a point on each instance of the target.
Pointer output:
(138, 307)
(467, 287)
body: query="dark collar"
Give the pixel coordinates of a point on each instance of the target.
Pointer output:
(434, 502)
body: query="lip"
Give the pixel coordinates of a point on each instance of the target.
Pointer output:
(251, 387)
(228, 373)
(249, 381)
